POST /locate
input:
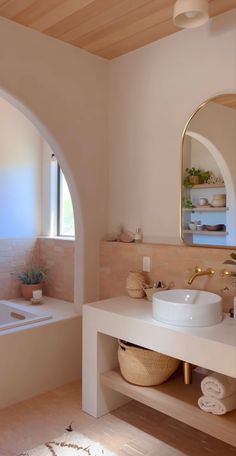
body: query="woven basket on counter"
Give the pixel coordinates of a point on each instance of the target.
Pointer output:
(144, 367)
(134, 284)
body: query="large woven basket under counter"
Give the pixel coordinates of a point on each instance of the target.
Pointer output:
(144, 367)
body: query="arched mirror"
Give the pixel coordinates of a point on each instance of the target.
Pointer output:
(208, 208)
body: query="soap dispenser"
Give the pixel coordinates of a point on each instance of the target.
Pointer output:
(138, 235)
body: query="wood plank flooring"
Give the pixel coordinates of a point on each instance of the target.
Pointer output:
(132, 430)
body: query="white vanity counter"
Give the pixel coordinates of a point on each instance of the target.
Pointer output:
(212, 347)
(104, 389)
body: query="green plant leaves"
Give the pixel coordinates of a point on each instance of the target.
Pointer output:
(32, 276)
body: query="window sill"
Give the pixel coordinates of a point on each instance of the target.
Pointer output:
(58, 238)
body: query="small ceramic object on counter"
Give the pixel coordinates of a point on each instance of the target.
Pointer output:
(138, 235)
(134, 284)
(203, 202)
(37, 294)
(126, 236)
(37, 297)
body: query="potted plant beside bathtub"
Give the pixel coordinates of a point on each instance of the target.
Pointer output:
(31, 279)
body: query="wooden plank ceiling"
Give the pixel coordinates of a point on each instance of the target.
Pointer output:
(229, 100)
(108, 28)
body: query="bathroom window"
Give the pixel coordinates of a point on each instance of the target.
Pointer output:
(57, 209)
(65, 215)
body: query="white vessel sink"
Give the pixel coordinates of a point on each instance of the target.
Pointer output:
(187, 307)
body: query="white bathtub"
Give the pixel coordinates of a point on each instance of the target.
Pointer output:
(13, 315)
(40, 348)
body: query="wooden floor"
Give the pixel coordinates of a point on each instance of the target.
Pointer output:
(132, 430)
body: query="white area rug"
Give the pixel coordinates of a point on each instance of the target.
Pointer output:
(69, 444)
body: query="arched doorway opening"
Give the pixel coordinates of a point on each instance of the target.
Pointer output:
(60, 154)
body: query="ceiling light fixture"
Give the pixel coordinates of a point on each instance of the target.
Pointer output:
(190, 13)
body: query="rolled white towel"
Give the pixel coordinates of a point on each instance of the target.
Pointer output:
(218, 386)
(216, 406)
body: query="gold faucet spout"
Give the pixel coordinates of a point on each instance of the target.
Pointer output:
(199, 272)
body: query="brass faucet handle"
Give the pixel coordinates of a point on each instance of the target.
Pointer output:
(225, 273)
(197, 269)
(211, 271)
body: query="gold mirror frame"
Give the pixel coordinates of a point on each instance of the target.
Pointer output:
(224, 101)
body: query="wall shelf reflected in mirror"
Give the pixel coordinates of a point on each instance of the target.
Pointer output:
(205, 233)
(206, 209)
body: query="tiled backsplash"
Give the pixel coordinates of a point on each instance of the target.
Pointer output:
(56, 254)
(58, 257)
(169, 263)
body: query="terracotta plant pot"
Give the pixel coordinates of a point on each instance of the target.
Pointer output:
(194, 180)
(27, 290)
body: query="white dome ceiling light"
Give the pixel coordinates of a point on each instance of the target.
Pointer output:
(190, 13)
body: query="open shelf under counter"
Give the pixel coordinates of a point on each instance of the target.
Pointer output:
(206, 232)
(130, 319)
(177, 400)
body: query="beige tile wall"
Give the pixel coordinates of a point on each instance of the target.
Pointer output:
(15, 255)
(169, 263)
(57, 255)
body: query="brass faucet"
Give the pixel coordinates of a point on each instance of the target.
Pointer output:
(199, 272)
(224, 273)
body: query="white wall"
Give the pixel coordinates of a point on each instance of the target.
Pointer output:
(202, 158)
(20, 174)
(153, 92)
(64, 91)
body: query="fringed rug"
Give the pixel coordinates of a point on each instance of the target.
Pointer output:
(69, 444)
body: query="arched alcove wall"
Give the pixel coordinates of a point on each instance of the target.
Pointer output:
(63, 91)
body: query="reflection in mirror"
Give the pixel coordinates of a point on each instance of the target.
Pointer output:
(209, 174)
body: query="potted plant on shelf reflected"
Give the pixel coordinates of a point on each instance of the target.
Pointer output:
(195, 176)
(188, 204)
(31, 279)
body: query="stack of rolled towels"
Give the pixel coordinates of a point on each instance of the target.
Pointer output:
(219, 394)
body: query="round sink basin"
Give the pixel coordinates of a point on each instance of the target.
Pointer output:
(187, 307)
